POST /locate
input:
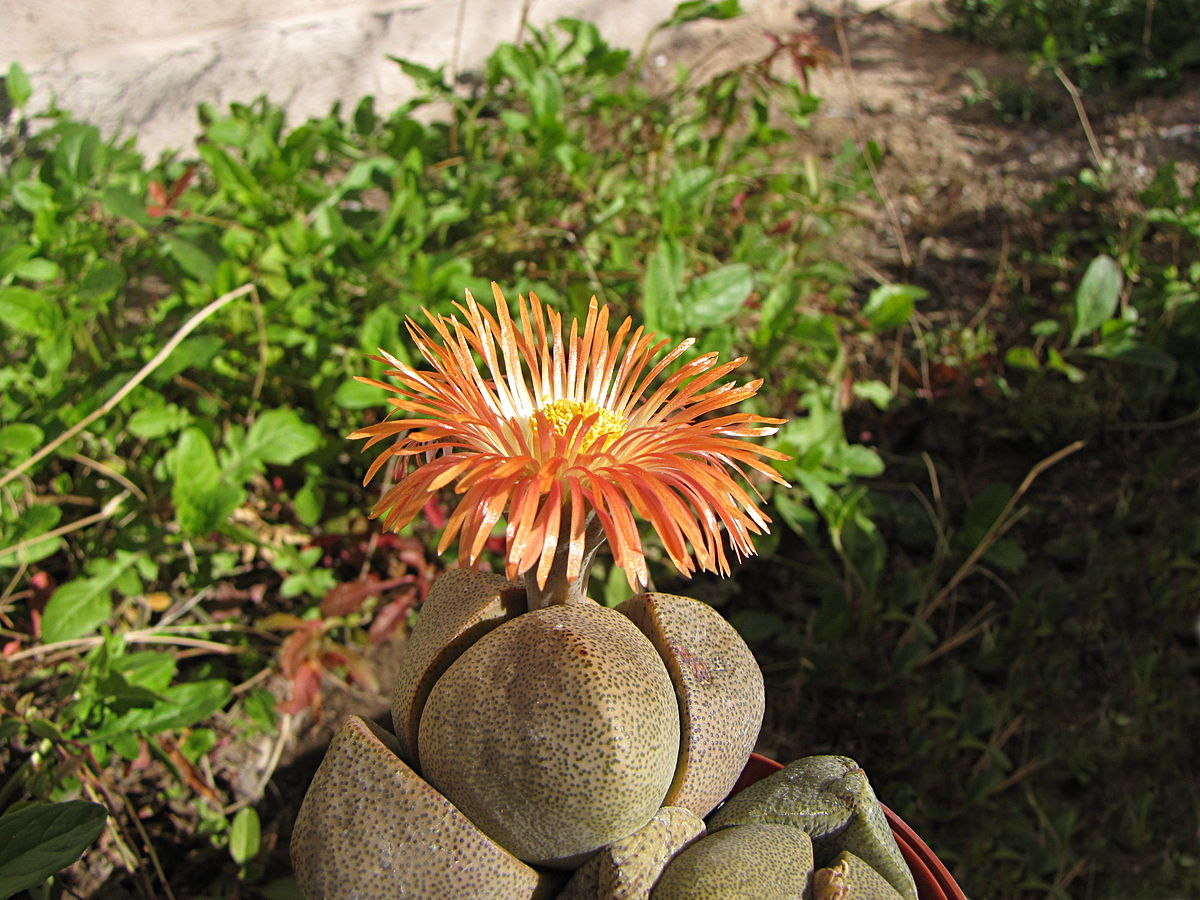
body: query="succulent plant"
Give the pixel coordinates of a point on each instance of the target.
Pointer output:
(545, 726)
(546, 745)
(560, 730)
(830, 798)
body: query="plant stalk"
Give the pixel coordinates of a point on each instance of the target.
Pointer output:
(558, 589)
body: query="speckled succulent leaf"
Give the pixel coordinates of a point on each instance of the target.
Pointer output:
(628, 869)
(556, 732)
(747, 862)
(371, 829)
(720, 691)
(462, 606)
(849, 878)
(830, 798)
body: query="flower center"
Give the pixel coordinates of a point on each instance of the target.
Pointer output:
(561, 413)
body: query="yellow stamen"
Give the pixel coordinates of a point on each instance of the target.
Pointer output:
(561, 413)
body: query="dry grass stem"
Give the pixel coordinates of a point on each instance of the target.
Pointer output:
(159, 358)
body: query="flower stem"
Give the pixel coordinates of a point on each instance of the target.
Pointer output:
(557, 588)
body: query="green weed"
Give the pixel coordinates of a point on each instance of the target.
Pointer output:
(178, 509)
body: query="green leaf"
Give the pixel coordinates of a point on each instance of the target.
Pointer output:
(203, 501)
(19, 439)
(546, 98)
(660, 293)
(356, 395)
(430, 79)
(380, 329)
(16, 82)
(13, 257)
(29, 312)
(714, 298)
(855, 459)
(1006, 554)
(308, 503)
(687, 186)
(259, 707)
(192, 702)
(149, 669)
(77, 608)
(1022, 358)
(39, 840)
(692, 10)
(985, 509)
(81, 606)
(757, 625)
(873, 391)
(279, 436)
(158, 421)
(891, 305)
(195, 459)
(198, 742)
(244, 836)
(194, 260)
(196, 352)
(1055, 361)
(78, 151)
(33, 196)
(37, 269)
(1142, 355)
(179, 706)
(1044, 328)
(33, 522)
(121, 203)
(1097, 297)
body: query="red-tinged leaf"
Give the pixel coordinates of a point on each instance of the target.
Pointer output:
(942, 374)
(143, 758)
(190, 773)
(783, 226)
(391, 617)
(343, 599)
(295, 652)
(356, 667)
(306, 691)
(10, 648)
(435, 513)
(847, 391)
(164, 202)
(412, 553)
(181, 185)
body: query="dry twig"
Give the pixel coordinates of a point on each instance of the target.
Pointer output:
(159, 358)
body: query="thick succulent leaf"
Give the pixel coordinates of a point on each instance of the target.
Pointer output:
(719, 688)
(628, 869)
(371, 829)
(831, 799)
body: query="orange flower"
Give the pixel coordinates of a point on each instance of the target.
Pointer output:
(569, 438)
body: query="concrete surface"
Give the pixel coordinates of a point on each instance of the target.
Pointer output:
(140, 67)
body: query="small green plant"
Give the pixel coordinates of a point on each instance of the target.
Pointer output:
(1136, 303)
(1126, 44)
